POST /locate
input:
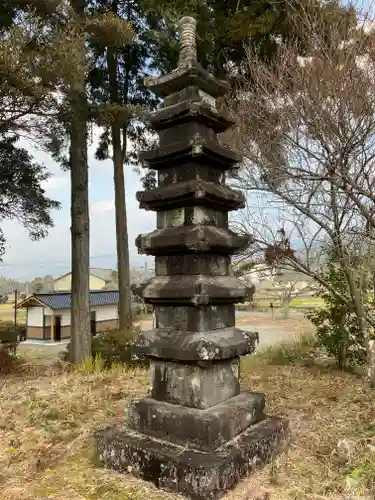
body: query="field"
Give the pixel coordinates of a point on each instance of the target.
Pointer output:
(7, 313)
(302, 304)
(49, 414)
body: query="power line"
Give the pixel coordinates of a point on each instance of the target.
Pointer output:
(52, 262)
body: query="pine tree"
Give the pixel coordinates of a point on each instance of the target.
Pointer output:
(226, 27)
(117, 80)
(68, 139)
(28, 68)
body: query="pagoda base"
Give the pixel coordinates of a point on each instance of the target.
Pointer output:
(196, 474)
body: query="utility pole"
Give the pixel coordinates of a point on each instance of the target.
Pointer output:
(15, 309)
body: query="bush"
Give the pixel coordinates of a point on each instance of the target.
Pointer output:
(113, 347)
(9, 340)
(289, 352)
(337, 327)
(9, 334)
(8, 359)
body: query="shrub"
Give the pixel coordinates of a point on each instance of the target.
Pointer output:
(9, 334)
(113, 347)
(9, 360)
(289, 352)
(9, 339)
(337, 327)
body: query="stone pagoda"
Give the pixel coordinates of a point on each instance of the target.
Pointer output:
(196, 433)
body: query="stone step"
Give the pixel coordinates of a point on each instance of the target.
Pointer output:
(203, 430)
(196, 474)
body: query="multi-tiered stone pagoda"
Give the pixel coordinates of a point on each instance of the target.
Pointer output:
(196, 433)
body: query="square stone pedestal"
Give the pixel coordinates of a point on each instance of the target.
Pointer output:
(197, 453)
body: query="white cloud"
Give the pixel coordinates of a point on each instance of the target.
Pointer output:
(98, 207)
(56, 182)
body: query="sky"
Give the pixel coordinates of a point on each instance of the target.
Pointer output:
(25, 259)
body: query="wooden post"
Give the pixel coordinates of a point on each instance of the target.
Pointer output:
(53, 328)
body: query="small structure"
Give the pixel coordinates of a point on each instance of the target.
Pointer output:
(196, 433)
(48, 314)
(98, 280)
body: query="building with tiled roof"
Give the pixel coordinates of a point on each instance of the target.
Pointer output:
(48, 314)
(99, 279)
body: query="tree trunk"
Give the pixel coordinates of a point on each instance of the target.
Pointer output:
(80, 309)
(363, 325)
(342, 354)
(125, 308)
(119, 155)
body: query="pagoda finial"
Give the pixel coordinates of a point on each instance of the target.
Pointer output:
(188, 48)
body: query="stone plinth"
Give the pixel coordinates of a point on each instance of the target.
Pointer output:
(196, 433)
(196, 474)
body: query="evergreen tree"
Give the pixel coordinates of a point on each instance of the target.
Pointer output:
(22, 197)
(26, 51)
(117, 82)
(226, 27)
(68, 137)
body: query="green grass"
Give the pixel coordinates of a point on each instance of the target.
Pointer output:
(296, 350)
(306, 301)
(303, 303)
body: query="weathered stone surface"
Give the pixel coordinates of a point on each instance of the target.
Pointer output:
(195, 386)
(208, 152)
(190, 216)
(190, 93)
(198, 475)
(191, 239)
(169, 265)
(182, 77)
(194, 191)
(195, 319)
(204, 430)
(196, 289)
(189, 111)
(183, 345)
(193, 170)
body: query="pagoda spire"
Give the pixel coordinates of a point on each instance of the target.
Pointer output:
(188, 47)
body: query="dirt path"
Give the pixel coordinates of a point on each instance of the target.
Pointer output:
(271, 330)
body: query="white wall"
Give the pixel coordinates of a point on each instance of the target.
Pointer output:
(35, 316)
(65, 317)
(64, 313)
(104, 313)
(48, 311)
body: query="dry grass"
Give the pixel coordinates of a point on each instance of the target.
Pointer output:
(47, 419)
(7, 313)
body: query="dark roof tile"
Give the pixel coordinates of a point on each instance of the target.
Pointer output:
(63, 300)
